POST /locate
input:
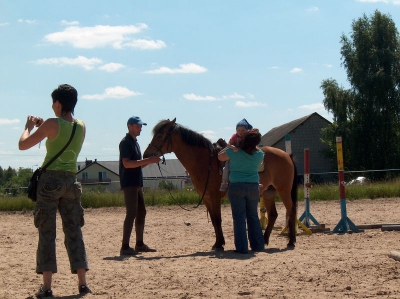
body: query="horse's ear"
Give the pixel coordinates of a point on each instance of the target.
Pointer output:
(174, 120)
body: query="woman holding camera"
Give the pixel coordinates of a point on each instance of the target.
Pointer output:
(58, 188)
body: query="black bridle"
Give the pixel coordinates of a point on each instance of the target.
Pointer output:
(168, 139)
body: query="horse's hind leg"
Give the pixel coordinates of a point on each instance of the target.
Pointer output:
(290, 217)
(272, 214)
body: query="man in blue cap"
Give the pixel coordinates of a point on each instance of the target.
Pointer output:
(131, 180)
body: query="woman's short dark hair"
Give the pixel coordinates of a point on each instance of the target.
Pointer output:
(67, 96)
(250, 141)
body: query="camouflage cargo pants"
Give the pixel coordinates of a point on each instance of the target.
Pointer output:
(59, 190)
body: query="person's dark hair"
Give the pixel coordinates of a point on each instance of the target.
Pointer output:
(250, 141)
(67, 96)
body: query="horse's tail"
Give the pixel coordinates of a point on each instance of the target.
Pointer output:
(293, 192)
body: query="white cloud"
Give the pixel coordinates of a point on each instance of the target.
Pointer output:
(313, 107)
(67, 23)
(209, 134)
(296, 70)
(312, 9)
(117, 92)
(234, 96)
(274, 67)
(193, 97)
(249, 104)
(117, 37)
(4, 24)
(111, 67)
(6, 152)
(190, 68)
(328, 65)
(145, 44)
(6, 121)
(27, 21)
(80, 61)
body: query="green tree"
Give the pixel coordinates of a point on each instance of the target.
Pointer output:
(8, 174)
(1, 175)
(367, 115)
(24, 175)
(16, 183)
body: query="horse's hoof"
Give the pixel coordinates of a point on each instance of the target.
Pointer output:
(290, 246)
(219, 249)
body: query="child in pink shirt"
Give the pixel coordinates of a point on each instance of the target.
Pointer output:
(241, 128)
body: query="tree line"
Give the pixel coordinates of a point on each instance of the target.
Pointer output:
(367, 115)
(14, 181)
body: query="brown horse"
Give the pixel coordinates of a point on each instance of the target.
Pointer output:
(200, 158)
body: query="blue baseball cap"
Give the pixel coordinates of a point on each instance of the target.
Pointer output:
(135, 120)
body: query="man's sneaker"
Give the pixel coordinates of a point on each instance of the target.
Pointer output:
(84, 289)
(144, 248)
(44, 293)
(223, 187)
(128, 251)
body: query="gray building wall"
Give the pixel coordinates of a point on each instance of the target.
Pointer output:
(308, 135)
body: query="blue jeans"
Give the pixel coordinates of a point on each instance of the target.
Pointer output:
(244, 198)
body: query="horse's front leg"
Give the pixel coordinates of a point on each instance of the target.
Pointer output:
(214, 209)
(220, 240)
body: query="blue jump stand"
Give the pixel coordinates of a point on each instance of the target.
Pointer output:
(307, 216)
(345, 225)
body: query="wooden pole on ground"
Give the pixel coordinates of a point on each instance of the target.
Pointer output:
(395, 255)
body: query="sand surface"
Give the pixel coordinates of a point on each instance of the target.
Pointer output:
(351, 265)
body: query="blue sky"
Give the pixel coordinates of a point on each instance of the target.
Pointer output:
(207, 63)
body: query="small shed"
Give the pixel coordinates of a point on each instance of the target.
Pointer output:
(304, 133)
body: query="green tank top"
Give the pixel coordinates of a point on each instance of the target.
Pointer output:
(67, 161)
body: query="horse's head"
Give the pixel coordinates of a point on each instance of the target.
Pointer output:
(160, 144)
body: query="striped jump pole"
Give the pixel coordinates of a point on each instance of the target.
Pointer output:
(345, 225)
(306, 230)
(307, 216)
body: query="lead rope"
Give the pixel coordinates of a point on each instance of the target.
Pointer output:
(205, 188)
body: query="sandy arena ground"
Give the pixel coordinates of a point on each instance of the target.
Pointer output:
(352, 265)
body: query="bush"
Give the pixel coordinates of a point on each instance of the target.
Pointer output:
(167, 185)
